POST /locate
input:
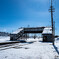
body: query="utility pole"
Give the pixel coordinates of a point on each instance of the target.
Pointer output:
(54, 29)
(52, 22)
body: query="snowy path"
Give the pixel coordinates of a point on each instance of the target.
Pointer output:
(34, 49)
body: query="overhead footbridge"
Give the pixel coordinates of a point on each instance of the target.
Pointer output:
(17, 34)
(21, 32)
(33, 30)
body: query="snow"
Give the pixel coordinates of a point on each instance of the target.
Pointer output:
(57, 44)
(4, 39)
(33, 49)
(17, 31)
(47, 30)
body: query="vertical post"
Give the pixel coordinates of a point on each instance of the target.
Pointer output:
(28, 33)
(54, 30)
(52, 24)
(26, 36)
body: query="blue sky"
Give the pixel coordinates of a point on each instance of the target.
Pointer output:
(21, 13)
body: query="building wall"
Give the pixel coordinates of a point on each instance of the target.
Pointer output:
(47, 37)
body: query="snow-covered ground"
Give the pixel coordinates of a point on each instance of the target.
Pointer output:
(57, 44)
(33, 49)
(4, 38)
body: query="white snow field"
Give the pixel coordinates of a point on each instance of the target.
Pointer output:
(57, 44)
(32, 49)
(4, 39)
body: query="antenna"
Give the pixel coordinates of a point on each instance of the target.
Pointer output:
(52, 24)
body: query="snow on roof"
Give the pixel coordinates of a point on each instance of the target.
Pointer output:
(47, 30)
(17, 31)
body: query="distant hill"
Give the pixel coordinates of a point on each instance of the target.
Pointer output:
(4, 34)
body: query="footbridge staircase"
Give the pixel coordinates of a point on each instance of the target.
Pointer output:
(21, 32)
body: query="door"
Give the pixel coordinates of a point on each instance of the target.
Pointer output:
(45, 38)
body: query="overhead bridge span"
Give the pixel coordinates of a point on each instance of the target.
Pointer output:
(21, 32)
(34, 30)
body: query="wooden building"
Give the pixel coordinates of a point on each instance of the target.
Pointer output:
(47, 34)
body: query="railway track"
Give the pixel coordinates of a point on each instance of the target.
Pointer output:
(15, 45)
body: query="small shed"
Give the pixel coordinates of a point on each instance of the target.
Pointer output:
(47, 34)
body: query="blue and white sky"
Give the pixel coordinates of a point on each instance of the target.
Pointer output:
(21, 13)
